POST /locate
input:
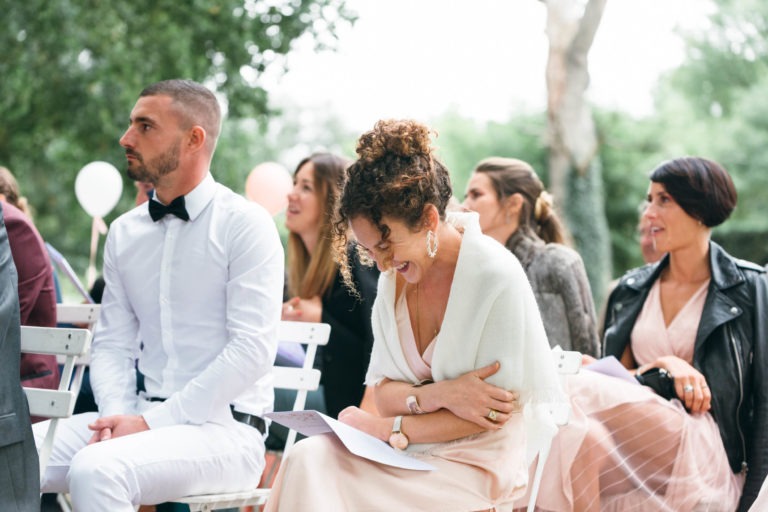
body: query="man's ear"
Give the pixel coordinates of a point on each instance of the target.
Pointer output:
(196, 138)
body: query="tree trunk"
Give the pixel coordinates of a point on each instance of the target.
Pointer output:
(575, 176)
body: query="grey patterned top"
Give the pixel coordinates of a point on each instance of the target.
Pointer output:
(559, 281)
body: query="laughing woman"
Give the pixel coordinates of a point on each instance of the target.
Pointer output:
(458, 346)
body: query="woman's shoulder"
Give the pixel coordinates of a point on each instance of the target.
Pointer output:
(557, 257)
(489, 260)
(634, 282)
(729, 270)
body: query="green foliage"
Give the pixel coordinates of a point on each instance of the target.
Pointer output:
(72, 71)
(462, 143)
(714, 106)
(726, 57)
(629, 149)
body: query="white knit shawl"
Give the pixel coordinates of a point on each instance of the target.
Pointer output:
(491, 315)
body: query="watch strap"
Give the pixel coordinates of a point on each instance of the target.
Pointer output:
(397, 439)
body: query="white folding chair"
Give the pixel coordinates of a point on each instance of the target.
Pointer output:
(71, 344)
(85, 315)
(302, 380)
(78, 314)
(567, 363)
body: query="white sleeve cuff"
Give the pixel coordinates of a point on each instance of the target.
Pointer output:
(159, 416)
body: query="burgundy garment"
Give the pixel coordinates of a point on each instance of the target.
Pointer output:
(37, 295)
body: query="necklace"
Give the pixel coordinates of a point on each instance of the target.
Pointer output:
(417, 334)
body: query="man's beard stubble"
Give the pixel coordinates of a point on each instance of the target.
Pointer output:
(163, 164)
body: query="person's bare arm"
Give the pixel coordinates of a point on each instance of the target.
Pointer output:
(434, 427)
(467, 397)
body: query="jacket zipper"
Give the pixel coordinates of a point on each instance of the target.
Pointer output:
(741, 397)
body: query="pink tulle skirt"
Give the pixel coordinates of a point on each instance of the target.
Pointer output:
(480, 472)
(627, 449)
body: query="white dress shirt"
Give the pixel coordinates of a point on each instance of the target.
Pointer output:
(198, 303)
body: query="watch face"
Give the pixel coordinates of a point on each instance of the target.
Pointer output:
(398, 441)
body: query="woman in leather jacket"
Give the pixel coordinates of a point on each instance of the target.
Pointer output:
(696, 320)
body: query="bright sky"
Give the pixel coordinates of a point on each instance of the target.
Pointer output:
(417, 58)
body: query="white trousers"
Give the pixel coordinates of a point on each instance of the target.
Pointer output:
(150, 467)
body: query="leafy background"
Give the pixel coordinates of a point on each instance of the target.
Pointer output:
(72, 69)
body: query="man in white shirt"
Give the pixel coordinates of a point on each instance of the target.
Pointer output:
(194, 292)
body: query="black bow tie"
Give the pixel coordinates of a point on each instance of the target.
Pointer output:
(158, 210)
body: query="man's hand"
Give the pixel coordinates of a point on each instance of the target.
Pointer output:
(110, 427)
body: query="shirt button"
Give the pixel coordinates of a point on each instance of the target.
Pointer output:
(734, 310)
(631, 280)
(619, 306)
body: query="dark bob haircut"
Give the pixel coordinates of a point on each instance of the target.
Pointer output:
(702, 188)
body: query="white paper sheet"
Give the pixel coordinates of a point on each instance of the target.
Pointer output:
(611, 366)
(310, 423)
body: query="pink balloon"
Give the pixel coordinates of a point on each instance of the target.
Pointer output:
(269, 184)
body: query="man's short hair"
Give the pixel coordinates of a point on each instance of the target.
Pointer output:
(195, 103)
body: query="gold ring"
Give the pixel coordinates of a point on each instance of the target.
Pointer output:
(492, 414)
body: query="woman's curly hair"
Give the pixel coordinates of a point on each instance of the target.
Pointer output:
(395, 176)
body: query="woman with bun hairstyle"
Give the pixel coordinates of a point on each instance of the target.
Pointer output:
(694, 327)
(515, 209)
(459, 348)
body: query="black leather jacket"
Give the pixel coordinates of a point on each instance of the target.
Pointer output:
(731, 351)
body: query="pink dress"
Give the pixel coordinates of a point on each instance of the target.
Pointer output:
(484, 471)
(627, 449)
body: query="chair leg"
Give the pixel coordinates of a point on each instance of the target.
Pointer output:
(543, 453)
(63, 502)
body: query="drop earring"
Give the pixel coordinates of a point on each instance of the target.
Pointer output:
(431, 244)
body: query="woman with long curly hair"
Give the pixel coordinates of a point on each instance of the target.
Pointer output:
(459, 348)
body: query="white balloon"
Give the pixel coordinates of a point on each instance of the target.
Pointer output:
(98, 187)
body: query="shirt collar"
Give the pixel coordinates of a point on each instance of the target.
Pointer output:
(200, 196)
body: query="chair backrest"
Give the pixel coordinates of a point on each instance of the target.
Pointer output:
(304, 379)
(78, 314)
(59, 403)
(83, 316)
(567, 362)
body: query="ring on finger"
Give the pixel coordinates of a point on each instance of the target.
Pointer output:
(492, 414)
(688, 388)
